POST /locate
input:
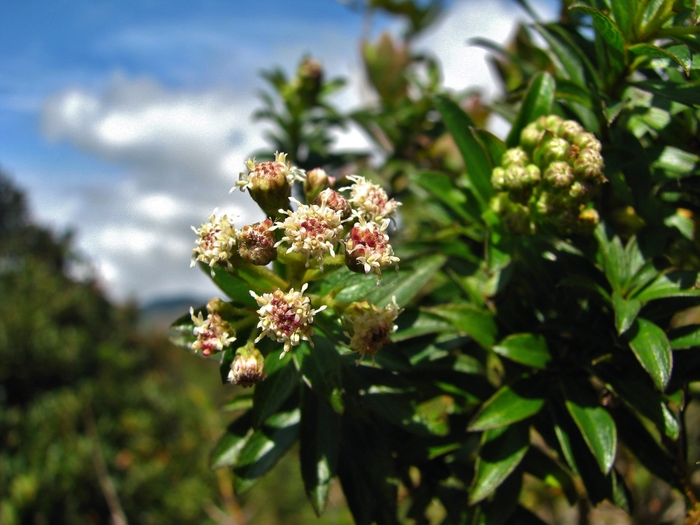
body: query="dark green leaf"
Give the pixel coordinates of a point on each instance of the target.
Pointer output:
(407, 284)
(537, 103)
(626, 311)
(265, 447)
(501, 452)
(269, 395)
(495, 147)
(442, 187)
(687, 94)
(550, 472)
(321, 368)
(229, 447)
(593, 421)
(461, 127)
(528, 349)
(470, 320)
(685, 337)
(680, 56)
(651, 347)
(320, 428)
(511, 403)
(238, 282)
(671, 284)
(604, 26)
(415, 324)
(400, 408)
(238, 403)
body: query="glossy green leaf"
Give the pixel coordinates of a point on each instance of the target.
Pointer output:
(568, 63)
(687, 94)
(511, 403)
(414, 323)
(407, 284)
(228, 449)
(495, 147)
(470, 320)
(461, 127)
(652, 349)
(265, 447)
(321, 369)
(282, 380)
(604, 26)
(238, 282)
(685, 337)
(680, 57)
(623, 13)
(671, 284)
(593, 421)
(537, 103)
(626, 311)
(528, 349)
(442, 187)
(501, 452)
(399, 407)
(319, 448)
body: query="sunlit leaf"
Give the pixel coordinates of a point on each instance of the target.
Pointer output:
(652, 349)
(511, 403)
(537, 103)
(528, 349)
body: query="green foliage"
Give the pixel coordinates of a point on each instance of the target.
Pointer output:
(528, 348)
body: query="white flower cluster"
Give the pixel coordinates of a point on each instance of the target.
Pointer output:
(371, 326)
(268, 175)
(213, 333)
(216, 240)
(370, 201)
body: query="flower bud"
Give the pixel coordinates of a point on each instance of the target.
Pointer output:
(532, 176)
(367, 248)
(552, 123)
(587, 140)
(518, 221)
(559, 175)
(498, 179)
(269, 182)
(587, 221)
(256, 243)
(551, 150)
(310, 80)
(581, 192)
(335, 201)
(213, 333)
(589, 165)
(315, 182)
(514, 157)
(248, 367)
(530, 137)
(370, 326)
(569, 130)
(216, 241)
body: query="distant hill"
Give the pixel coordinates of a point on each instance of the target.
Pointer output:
(155, 317)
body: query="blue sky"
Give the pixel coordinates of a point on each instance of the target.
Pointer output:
(129, 121)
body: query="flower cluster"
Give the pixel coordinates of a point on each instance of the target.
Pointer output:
(303, 239)
(370, 326)
(286, 317)
(549, 178)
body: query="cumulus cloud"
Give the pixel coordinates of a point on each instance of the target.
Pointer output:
(181, 150)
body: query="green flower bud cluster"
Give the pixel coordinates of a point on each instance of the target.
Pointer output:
(549, 178)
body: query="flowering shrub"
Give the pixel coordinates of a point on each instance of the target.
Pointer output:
(543, 328)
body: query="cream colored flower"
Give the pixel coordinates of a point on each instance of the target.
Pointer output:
(370, 200)
(312, 231)
(213, 333)
(216, 241)
(286, 317)
(367, 248)
(268, 175)
(371, 326)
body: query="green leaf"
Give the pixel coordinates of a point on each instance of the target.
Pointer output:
(461, 127)
(528, 349)
(680, 56)
(400, 408)
(470, 320)
(318, 453)
(238, 282)
(413, 324)
(593, 421)
(269, 395)
(626, 311)
(685, 337)
(495, 147)
(442, 187)
(550, 472)
(501, 452)
(604, 26)
(687, 94)
(407, 284)
(537, 103)
(652, 349)
(265, 447)
(238, 403)
(511, 403)
(321, 369)
(228, 449)
(670, 284)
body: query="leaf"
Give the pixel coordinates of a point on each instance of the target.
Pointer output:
(265, 447)
(550, 472)
(319, 448)
(604, 26)
(238, 282)
(400, 408)
(321, 369)
(670, 284)
(269, 395)
(407, 284)
(685, 337)
(495, 147)
(626, 311)
(228, 449)
(680, 54)
(652, 349)
(511, 403)
(593, 421)
(442, 187)
(475, 322)
(687, 94)
(537, 103)
(501, 452)
(238, 403)
(528, 349)
(461, 127)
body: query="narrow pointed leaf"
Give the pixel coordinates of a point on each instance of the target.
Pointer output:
(442, 187)
(511, 403)
(680, 57)
(537, 102)
(604, 26)
(461, 126)
(685, 337)
(270, 394)
(593, 421)
(470, 320)
(528, 349)
(550, 472)
(265, 447)
(321, 369)
(671, 284)
(320, 428)
(227, 450)
(652, 349)
(626, 311)
(408, 283)
(501, 452)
